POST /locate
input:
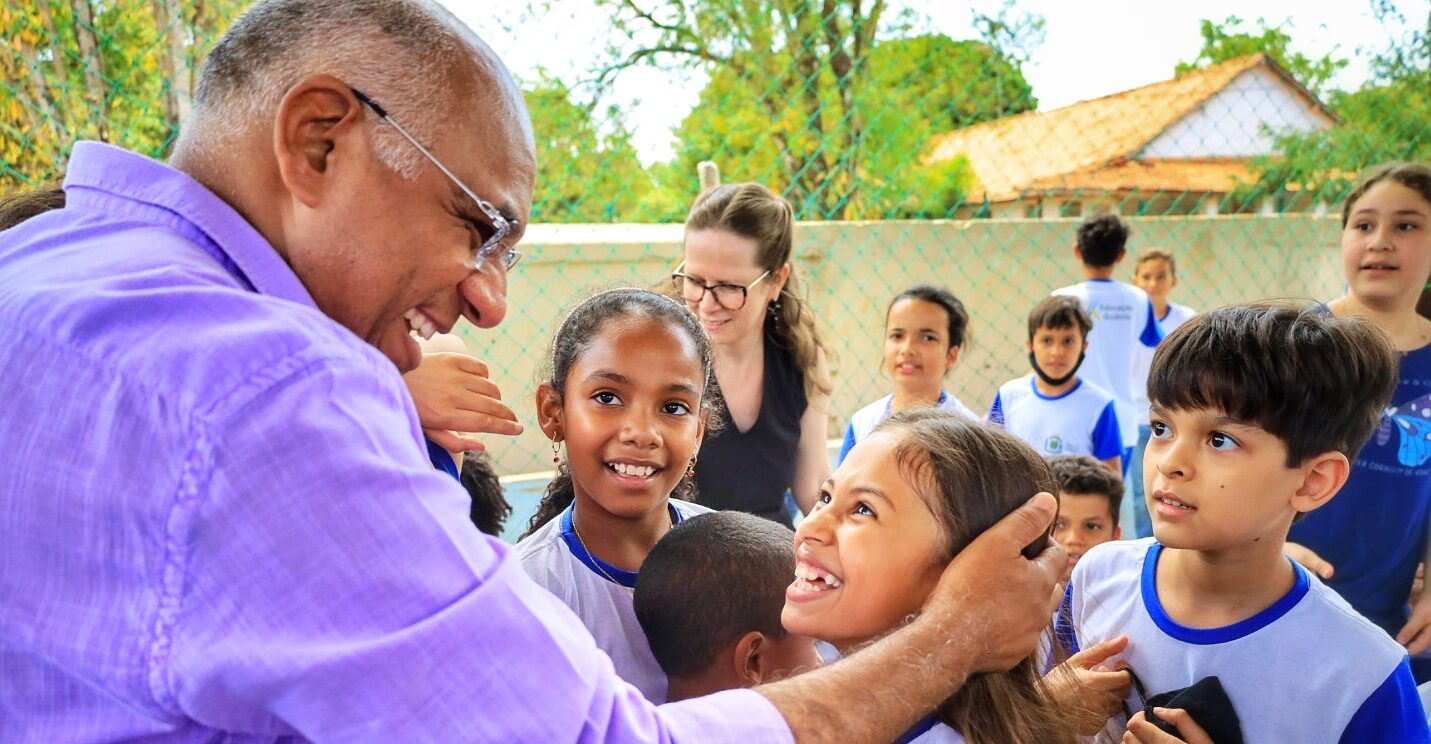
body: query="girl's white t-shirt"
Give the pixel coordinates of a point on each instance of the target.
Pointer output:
(600, 594)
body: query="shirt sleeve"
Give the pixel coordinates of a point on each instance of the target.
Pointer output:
(1152, 331)
(323, 581)
(1392, 714)
(1063, 628)
(996, 411)
(1107, 437)
(848, 444)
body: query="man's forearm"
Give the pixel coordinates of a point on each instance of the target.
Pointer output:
(905, 676)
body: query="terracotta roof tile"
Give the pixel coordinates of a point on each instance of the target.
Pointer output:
(1016, 153)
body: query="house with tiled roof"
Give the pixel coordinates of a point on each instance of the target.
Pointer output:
(1179, 146)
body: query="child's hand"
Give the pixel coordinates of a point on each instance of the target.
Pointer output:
(1309, 560)
(1142, 732)
(455, 400)
(1088, 688)
(1416, 634)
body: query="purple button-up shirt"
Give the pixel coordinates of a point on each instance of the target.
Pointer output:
(216, 516)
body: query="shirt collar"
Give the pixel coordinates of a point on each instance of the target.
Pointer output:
(99, 174)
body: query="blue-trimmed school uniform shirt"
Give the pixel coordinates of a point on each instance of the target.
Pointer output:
(1307, 669)
(1082, 421)
(866, 419)
(600, 594)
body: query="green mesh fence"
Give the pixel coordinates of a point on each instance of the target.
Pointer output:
(910, 156)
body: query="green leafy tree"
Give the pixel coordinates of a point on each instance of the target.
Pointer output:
(1388, 118)
(121, 72)
(1234, 38)
(584, 173)
(803, 97)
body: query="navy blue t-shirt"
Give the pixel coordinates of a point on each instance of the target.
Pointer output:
(1374, 531)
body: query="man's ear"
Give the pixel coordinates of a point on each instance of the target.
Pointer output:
(316, 127)
(748, 657)
(549, 412)
(1322, 476)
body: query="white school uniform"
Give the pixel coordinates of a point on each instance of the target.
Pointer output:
(1307, 669)
(600, 594)
(1143, 358)
(1082, 421)
(1123, 320)
(866, 419)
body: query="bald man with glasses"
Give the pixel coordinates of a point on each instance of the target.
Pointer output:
(218, 520)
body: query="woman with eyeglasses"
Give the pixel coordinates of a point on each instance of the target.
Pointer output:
(770, 363)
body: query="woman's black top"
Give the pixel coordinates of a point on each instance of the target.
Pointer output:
(750, 471)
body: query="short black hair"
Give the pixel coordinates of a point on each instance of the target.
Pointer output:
(710, 580)
(1101, 238)
(1083, 475)
(1316, 381)
(1059, 311)
(489, 500)
(953, 308)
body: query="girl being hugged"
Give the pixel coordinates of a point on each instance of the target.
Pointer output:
(908, 498)
(629, 394)
(924, 329)
(1367, 541)
(736, 276)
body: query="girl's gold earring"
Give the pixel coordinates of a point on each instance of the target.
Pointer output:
(691, 469)
(556, 453)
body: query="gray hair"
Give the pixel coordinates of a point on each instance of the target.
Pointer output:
(402, 53)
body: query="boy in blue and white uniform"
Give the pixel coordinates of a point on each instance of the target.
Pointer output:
(1244, 441)
(1052, 409)
(1123, 317)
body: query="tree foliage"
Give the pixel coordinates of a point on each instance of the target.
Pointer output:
(804, 97)
(120, 72)
(1233, 37)
(584, 173)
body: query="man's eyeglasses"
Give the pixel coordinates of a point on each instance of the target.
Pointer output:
(493, 246)
(728, 296)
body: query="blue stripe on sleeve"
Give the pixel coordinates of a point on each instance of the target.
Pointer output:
(1063, 631)
(1392, 713)
(848, 444)
(1107, 438)
(1152, 331)
(996, 411)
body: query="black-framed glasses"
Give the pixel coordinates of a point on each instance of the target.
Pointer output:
(728, 296)
(493, 246)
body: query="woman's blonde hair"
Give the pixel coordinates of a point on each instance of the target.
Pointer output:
(752, 211)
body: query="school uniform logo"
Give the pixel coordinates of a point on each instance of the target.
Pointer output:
(1053, 445)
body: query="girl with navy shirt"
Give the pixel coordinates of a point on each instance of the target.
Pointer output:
(1367, 542)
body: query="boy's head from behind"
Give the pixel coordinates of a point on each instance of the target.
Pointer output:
(1257, 411)
(1101, 240)
(1089, 495)
(709, 597)
(1058, 338)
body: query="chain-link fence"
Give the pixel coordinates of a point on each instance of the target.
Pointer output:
(910, 156)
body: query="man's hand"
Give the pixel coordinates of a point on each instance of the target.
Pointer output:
(1309, 560)
(1142, 732)
(1089, 687)
(995, 601)
(455, 400)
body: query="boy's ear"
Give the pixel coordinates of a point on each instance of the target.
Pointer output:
(1078, 252)
(749, 658)
(1121, 253)
(1322, 476)
(549, 412)
(1118, 532)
